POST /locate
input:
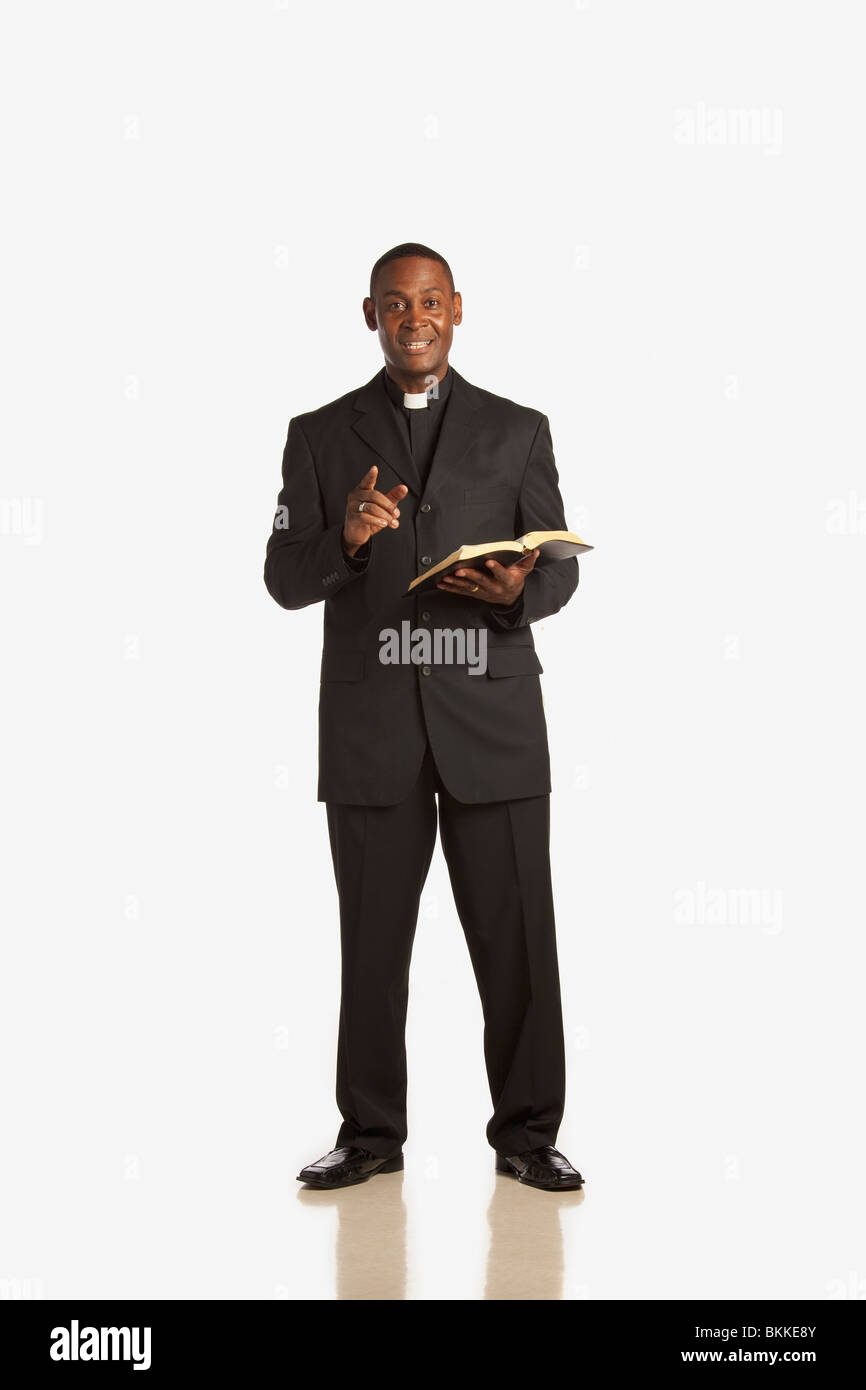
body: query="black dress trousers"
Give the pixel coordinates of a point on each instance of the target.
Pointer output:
(498, 862)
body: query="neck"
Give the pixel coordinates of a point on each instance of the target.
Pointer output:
(415, 382)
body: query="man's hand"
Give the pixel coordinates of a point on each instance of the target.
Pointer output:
(380, 511)
(494, 584)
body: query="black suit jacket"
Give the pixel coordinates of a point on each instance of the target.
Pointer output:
(492, 477)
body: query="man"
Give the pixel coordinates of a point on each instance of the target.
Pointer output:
(377, 487)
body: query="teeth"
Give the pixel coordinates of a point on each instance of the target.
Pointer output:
(425, 343)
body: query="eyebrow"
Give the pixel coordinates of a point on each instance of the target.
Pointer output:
(400, 294)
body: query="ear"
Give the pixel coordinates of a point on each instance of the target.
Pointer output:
(457, 303)
(369, 310)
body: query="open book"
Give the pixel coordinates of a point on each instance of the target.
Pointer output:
(554, 545)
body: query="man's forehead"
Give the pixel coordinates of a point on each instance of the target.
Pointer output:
(426, 290)
(394, 281)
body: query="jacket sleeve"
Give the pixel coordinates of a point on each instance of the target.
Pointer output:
(305, 560)
(552, 582)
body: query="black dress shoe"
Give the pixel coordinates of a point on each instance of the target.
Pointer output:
(347, 1166)
(546, 1168)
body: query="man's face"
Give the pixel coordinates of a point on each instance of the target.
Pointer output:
(414, 313)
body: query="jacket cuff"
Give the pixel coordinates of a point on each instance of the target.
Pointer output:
(358, 562)
(506, 618)
(336, 568)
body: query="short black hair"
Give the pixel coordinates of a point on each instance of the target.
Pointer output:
(409, 248)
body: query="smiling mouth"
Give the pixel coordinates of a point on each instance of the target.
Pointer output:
(417, 345)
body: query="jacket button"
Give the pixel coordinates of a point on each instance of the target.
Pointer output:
(426, 670)
(425, 617)
(426, 560)
(425, 506)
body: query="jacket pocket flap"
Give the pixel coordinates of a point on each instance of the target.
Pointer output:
(513, 661)
(342, 666)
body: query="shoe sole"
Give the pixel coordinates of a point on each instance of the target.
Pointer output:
(570, 1185)
(391, 1165)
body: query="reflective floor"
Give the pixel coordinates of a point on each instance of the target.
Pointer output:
(526, 1250)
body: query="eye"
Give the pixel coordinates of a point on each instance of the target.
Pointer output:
(396, 304)
(433, 301)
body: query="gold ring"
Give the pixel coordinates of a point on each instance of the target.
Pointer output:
(474, 588)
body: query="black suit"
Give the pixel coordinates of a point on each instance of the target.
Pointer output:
(493, 477)
(394, 738)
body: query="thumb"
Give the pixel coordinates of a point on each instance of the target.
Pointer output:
(369, 478)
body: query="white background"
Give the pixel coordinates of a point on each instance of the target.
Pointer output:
(194, 196)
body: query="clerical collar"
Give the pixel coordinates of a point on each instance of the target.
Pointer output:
(417, 400)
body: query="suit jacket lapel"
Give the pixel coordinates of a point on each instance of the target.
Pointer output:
(456, 434)
(378, 426)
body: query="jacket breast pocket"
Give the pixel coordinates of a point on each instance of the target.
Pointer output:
(513, 661)
(342, 666)
(500, 496)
